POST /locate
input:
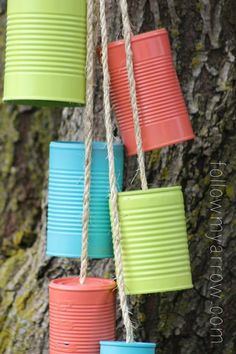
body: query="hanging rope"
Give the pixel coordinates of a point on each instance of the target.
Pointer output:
(112, 177)
(88, 127)
(132, 88)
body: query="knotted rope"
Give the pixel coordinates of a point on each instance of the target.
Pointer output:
(88, 130)
(132, 88)
(112, 178)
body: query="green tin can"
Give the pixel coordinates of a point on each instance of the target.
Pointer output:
(46, 52)
(154, 241)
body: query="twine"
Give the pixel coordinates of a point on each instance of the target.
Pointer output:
(112, 178)
(88, 126)
(132, 88)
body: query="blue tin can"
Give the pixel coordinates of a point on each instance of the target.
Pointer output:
(65, 199)
(127, 348)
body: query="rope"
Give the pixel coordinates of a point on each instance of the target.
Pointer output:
(132, 88)
(112, 178)
(88, 125)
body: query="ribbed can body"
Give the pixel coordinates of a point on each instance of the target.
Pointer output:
(154, 241)
(80, 316)
(46, 52)
(127, 348)
(65, 199)
(162, 111)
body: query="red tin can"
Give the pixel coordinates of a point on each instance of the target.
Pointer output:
(163, 115)
(81, 315)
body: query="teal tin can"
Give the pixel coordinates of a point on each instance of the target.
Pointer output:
(127, 348)
(65, 199)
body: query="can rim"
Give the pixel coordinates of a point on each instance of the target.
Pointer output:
(150, 191)
(139, 37)
(80, 145)
(73, 284)
(39, 101)
(132, 344)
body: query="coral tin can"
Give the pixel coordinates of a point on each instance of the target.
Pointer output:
(65, 199)
(154, 241)
(127, 348)
(80, 316)
(45, 52)
(163, 115)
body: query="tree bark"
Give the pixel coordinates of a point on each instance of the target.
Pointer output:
(203, 40)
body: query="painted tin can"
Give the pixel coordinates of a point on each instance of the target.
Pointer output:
(65, 199)
(154, 241)
(45, 52)
(80, 316)
(127, 348)
(163, 115)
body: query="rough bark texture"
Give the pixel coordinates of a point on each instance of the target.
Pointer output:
(203, 41)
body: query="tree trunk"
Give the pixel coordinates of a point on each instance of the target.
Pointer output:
(203, 41)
